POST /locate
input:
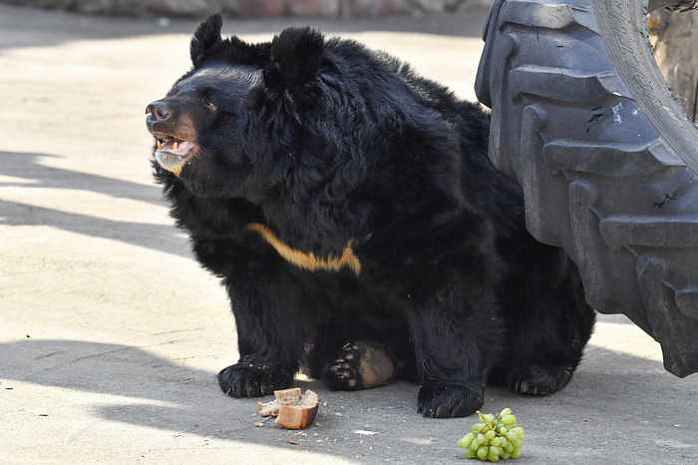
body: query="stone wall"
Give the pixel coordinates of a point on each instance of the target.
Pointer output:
(250, 8)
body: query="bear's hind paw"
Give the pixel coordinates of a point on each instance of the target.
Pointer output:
(361, 365)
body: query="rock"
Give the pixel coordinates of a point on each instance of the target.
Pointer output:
(676, 50)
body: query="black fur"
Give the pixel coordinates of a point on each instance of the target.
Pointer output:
(329, 144)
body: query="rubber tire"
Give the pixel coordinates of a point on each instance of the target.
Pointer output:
(607, 159)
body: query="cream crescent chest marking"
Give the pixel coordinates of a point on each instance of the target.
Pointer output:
(308, 260)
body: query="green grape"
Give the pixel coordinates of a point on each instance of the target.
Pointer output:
(494, 438)
(485, 418)
(466, 440)
(517, 453)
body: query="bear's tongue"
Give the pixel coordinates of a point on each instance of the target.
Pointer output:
(172, 153)
(177, 147)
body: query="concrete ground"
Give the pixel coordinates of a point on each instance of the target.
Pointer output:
(111, 335)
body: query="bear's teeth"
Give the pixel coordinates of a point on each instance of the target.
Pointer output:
(175, 145)
(159, 144)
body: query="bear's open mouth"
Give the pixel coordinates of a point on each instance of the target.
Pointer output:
(173, 153)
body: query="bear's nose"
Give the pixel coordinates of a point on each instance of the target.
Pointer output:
(158, 111)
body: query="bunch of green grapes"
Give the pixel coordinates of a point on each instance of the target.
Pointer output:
(494, 438)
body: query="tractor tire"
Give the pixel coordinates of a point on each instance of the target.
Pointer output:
(605, 155)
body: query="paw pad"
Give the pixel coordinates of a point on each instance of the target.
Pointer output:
(361, 365)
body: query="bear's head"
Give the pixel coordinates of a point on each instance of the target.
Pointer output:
(319, 134)
(230, 127)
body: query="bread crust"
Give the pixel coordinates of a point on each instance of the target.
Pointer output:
(292, 411)
(300, 415)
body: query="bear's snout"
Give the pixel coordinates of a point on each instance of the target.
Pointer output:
(158, 112)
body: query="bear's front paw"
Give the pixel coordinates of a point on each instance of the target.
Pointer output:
(449, 401)
(251, 380)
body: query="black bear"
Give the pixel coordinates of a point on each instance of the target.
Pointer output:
(358, 225)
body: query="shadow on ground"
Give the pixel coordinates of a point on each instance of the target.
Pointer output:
(158, 237)
(27, 167)
(169, 396)
(166, 395)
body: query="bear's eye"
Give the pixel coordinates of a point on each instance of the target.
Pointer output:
(208, 103)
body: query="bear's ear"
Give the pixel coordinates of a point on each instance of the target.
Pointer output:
(206, 36)
(295, 58)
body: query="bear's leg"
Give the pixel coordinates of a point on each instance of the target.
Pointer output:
(545, 339)
(363, 345)
(270, 336)
(361, 365)
(456, 336)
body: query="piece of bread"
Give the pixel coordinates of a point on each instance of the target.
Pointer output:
(283, 397)
(301, 414)
(268, 409)
(292, 410)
